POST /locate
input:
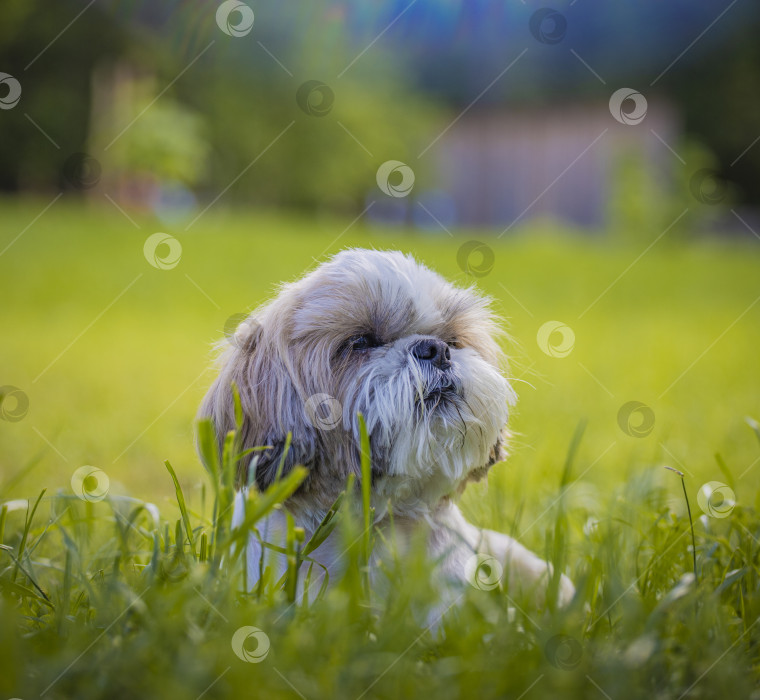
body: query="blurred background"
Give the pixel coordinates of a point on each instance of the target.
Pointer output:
(166, 164)
(487, 101)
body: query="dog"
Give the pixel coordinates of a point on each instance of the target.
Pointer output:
(377, 333)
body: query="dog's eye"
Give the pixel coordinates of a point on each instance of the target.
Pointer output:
(454, 343)
(363, 342)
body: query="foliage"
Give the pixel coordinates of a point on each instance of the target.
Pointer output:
(683, 203)
(434, 57)
(189, 96)
(107, 599)
(166, 142)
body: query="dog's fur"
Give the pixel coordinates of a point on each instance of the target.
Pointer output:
(365, 332)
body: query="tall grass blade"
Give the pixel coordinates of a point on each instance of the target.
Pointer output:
(182, 508)
(367, 510)
(559, 541)
(25, 535)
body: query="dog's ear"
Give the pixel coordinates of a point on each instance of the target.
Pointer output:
(271, 407)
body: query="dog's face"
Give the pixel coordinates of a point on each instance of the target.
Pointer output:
(376, 333)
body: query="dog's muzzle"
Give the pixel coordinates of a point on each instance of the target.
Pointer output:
(440, 382)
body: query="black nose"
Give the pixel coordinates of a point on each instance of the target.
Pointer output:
(432, 350)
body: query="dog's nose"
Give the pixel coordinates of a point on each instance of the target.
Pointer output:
(432, 350)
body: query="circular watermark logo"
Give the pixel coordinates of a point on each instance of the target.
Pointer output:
(636, 419)
(475, 258)
(323, 411)
(174, 569)
(707, 187)
(315, 98)
(401, 174)
(483, 572)
(563, 652)
(162, 251)
(241, 642)
(90, 483)
(628, 106)
(716, 499)
(556, 339)
(10, 91)
(548, 26)
(234, 18)
(14, 404)
(81, 171)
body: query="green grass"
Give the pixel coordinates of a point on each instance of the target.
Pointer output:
(136, 607)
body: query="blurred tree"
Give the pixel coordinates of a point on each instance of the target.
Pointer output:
(242, 92)
(345, 123)
(54, 72)
(144, 142)
(235, 97)
(719, 94)
(643, 204)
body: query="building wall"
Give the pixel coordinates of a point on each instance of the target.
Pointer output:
(502, 168)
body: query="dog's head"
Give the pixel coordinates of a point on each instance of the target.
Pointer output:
(377, 333)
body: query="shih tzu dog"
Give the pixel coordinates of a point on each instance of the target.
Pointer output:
(377, 333)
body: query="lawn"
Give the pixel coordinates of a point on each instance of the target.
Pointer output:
(113, 355)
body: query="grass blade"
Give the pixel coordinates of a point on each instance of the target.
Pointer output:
(259, 505)
(325, 527)
(25, 535)
(367, 510)
(208, 450)
(182, 507)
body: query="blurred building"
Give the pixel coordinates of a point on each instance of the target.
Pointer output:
(502, 166)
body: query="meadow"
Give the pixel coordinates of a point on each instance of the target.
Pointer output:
(113, 355)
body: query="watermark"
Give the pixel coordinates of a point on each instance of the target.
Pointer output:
(90, 483)
(323, 411)
(81, 171)
(315, 98)
(475, 258)
(716, 499)
(548, 26)
(563, 652)
(402, 175)
(174, 569)
(234, 18)
(707, 187)
(483, 572)
(14, 404)
(556, 339)
(628, 106)
(636, 419)
(171, 253)
(10, 91)
(240, 642)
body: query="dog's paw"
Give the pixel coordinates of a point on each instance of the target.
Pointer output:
(542, 575)
(566, 591)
